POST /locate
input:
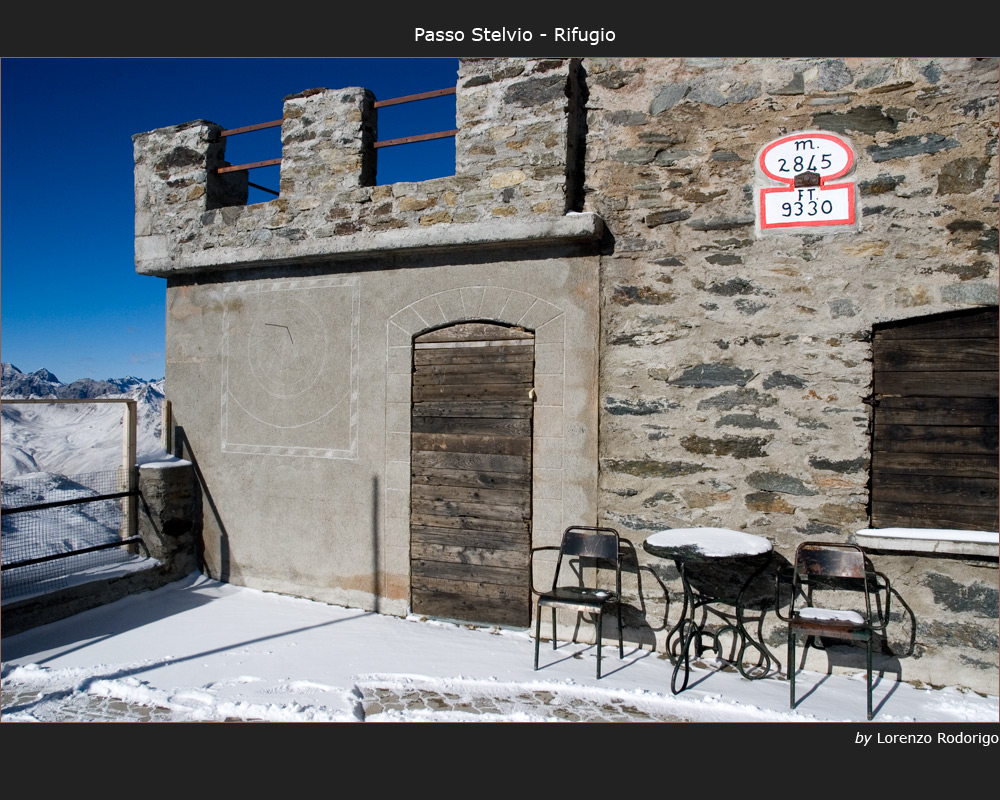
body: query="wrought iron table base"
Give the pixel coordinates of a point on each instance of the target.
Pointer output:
(689, 630)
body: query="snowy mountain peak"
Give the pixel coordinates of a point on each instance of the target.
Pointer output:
(14, 383)
(42, 383)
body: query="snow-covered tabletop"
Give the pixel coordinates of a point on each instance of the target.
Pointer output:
(705, 543)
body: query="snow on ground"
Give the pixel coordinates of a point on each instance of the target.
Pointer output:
(206, 650)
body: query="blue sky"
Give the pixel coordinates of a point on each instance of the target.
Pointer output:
(71, 301)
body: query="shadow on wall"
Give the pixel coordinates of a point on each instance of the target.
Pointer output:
(376, 566)
(182, 446)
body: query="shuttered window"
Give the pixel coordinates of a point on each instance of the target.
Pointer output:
(934, 432)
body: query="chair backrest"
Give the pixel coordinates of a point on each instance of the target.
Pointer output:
(830, 560)
(833, 566)
(585, 542)
(590, 542)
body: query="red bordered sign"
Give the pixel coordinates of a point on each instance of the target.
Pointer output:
(806, 163)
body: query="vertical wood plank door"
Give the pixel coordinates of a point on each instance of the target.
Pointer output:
(470, 474)
(934, 443)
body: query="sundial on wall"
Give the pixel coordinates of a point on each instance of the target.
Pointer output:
(290, 368)
(286, 344)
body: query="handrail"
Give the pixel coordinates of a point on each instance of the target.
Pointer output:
(240, 167)
(419, 138)
(410, 98)
(28, 562)
(250, 128)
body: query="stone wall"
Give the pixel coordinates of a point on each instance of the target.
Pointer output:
(734, 366)
(717, 376)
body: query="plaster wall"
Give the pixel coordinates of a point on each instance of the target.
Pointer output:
(307, 483)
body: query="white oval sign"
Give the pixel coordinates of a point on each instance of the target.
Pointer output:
(821, 153)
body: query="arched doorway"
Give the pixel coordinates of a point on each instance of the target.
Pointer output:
(470, 473)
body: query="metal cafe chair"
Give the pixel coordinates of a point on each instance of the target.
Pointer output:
(832, 588)
(605, 548)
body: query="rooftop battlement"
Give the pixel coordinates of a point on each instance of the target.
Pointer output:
(517, 161)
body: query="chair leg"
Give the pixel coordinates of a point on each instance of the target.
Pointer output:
(600, 630)
(621, 641)
(538, 632)
(553, 627)
(791, 670)
(869, 677)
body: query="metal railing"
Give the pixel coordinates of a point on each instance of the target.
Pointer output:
(410, 98)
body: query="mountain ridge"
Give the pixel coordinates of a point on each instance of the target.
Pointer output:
(42, 384)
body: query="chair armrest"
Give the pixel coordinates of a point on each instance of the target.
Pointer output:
(531, 555)
(784, 578)
(882, 588)
(626, 544)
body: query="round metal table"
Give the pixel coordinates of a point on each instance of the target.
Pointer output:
(717, 566)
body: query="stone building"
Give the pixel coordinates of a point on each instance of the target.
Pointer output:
(695, 357)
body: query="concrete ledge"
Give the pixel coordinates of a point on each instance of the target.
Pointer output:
(931, 540)
(574, 227)
(29, 612)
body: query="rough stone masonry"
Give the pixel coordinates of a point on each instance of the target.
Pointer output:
(692, 369)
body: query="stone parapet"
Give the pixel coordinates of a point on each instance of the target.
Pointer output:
(189, 217)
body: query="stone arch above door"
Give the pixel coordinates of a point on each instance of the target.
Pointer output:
(564, 457)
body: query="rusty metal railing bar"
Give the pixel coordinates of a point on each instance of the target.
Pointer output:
(239, 167)
(413, 97)
(420, 138)
(410, 98)
(250, 128)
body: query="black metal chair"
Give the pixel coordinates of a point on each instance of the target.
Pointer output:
(832, 587)
(605, 548)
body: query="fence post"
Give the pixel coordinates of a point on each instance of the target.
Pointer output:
(129, 436)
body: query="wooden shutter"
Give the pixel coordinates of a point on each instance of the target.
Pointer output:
(934, 446)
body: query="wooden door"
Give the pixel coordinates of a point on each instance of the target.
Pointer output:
(470, 465)
(934, 443)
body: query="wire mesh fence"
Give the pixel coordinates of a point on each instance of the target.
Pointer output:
(48, 519)
(76, 519)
